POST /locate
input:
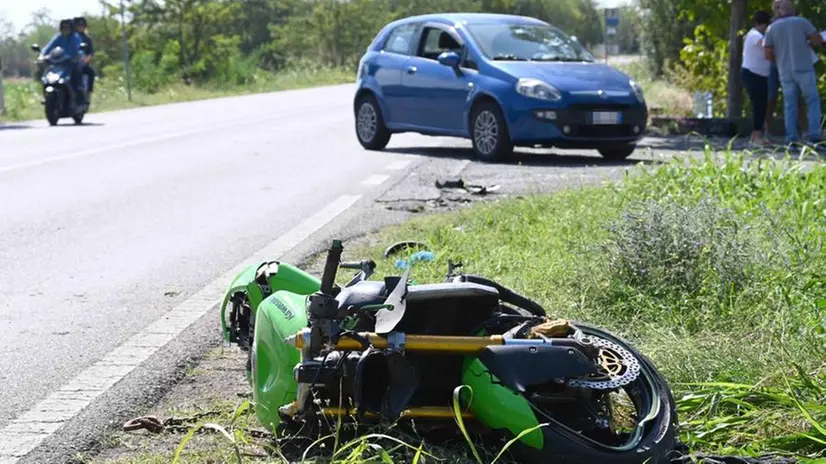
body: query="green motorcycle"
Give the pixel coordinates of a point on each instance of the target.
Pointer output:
(391, 350)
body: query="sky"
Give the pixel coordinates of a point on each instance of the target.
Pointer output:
(19, 12)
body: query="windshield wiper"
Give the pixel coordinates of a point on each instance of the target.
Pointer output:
(561, 58)
(508, 57)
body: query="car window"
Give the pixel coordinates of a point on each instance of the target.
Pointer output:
(399, 39)
(527, 42)
(436, 41)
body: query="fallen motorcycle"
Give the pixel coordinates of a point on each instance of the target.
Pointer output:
(391, 349)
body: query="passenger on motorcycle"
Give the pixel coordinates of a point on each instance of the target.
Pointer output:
(86, 68)
(69, 41)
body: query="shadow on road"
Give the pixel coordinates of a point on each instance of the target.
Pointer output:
(83, 124)
(14, 126)
(520, 157)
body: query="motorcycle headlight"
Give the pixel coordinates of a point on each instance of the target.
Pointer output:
(637, 91)
(52, 77)
(534, 88)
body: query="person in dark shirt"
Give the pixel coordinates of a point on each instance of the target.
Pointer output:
(86, 68)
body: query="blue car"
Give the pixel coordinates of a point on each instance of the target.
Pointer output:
(500, 80)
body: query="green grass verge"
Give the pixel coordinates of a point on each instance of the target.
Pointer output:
(713, 268)
(660, 94)
(23, 96)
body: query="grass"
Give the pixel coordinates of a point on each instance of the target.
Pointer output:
(662, 96)
(23, 96)
(712, 267)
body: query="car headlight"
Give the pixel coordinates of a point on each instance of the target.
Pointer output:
(534, 88)
(637, 90)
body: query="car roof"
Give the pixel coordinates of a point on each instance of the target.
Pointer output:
(470, 18)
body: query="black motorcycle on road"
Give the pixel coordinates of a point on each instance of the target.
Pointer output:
(60, 97)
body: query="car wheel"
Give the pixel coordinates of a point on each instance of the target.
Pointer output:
(370, 128)
(617, 153)
(491, 141)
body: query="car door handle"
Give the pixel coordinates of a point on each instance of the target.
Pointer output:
(412, 70)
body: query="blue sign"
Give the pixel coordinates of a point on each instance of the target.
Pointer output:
(612, 22)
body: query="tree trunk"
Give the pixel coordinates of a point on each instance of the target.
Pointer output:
(735, 48)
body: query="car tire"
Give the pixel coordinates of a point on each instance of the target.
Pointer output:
(489, 133)
(617, 153)
(370, 128)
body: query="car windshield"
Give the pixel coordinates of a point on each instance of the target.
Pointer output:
(527, 42)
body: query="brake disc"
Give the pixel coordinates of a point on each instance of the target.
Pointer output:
(618, 366)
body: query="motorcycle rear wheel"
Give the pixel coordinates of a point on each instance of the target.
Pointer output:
(563, 445)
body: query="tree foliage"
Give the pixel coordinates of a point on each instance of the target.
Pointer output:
(688, 40)
(232, 41)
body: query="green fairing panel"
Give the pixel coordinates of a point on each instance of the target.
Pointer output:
(497, 406)
(280, 316)
(287, 277)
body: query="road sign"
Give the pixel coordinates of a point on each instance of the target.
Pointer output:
(611, 31)
(612, 17)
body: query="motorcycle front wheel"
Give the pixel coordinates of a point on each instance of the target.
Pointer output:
(587, 431)
(52, 108)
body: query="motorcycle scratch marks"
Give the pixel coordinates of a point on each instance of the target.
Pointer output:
(27, 432)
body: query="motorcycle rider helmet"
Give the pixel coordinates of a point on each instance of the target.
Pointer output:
(56, 53)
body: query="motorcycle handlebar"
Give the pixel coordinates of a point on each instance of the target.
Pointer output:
(330, 267)
(356, 266)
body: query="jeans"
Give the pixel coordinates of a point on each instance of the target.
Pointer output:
(757, 87)
(794, 85)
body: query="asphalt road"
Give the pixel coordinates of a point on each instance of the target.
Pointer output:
(106, 226)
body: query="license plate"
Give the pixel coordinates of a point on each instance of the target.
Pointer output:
(607, 117)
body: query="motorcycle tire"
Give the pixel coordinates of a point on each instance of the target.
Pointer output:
(52, 109)
(564, 446)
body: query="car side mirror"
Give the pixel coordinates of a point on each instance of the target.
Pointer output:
(450, 59)
(36, 47)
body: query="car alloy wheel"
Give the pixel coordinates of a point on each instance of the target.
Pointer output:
(367, 121)
(486, 132)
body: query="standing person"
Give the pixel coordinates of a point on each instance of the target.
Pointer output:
(755, 73)
(86, 60)
(788, 42)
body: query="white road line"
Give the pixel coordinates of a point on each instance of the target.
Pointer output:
(399, 165)
(27, 431)
(375, 180)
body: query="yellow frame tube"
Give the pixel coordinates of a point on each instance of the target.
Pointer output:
(426, 343)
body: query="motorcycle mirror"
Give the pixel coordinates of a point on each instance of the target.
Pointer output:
(36, 47)
(388, 319)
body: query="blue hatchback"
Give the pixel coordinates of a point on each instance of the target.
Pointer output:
(500, 80)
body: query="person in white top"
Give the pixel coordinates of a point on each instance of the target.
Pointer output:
(755, 73)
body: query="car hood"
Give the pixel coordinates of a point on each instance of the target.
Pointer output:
(570, 77)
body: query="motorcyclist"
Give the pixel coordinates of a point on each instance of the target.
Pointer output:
(69, 41)
(86, 68)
